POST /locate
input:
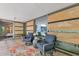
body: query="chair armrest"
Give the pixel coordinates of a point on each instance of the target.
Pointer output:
(49, 45)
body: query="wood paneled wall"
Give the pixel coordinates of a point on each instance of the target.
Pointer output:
(67, 37)
(72, 25)
(67, 25)
(66, 14)
(30, 26)
(18, 29)
(9, 28)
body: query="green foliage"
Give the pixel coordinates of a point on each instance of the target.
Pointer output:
(1, 30)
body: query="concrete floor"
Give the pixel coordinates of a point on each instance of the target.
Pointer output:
(6, 43)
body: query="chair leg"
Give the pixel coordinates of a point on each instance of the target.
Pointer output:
(49, 53)
(42, 53)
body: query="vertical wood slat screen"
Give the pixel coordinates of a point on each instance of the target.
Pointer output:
(67, 31)
(18, 28)
(30, 26)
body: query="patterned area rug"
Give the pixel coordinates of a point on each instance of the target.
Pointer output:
(10, 47)
(21, 50)
(4, 45)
